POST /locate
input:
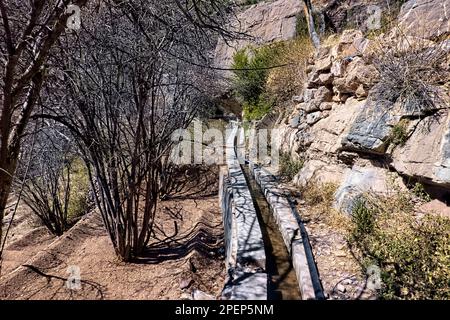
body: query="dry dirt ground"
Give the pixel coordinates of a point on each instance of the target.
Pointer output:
(186, 254)
(340, 273)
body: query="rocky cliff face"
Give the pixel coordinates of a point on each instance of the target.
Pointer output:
(343, 127)
(263, 23)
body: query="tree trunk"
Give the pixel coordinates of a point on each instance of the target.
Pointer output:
(7, 169)
(311, 26)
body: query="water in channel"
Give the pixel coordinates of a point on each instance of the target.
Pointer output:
(283, 283)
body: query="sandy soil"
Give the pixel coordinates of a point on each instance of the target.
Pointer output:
(26, 237)
(180, 259)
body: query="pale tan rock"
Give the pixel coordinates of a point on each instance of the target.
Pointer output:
(427, 19)
(361, 92)
(309, 95)
(348, 36)
(426, 153)
(326, 106)
(323, 65)
(312, 106)
(320, 172)
(340, 97)
(357, 181)
(338, 68)
(325, 78)
(436, 207)
(351, 43)
(323, 94)
(357, 73)
(328, 133)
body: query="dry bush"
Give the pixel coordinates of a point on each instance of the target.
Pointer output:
(283, 83)
(320, 193)
(413, 72)
(320, 199)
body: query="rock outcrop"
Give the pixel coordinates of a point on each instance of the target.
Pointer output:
(343, 126)
(265, 22)
(425, 18)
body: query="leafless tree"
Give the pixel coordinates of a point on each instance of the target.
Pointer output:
(47, 187)
(127, 110)
(131, 77)
(29, 30)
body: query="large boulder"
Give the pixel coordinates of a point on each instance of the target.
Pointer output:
(320, 172)
(372, 128)
(426, 153)
(357, 181)
(427, 19)
(329, 132)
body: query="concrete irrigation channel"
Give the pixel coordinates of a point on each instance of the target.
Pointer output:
(268, 254)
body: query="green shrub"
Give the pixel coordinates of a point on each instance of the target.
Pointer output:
(256, 111)
(250, 67)
(419, 191)
(399, 134)
(289, 167)
(412, 252)
(363, 218)
(276, 71)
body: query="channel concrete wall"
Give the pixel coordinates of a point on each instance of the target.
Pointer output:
(245, 253)
(293, 233)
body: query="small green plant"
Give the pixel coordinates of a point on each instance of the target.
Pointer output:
(289, 167)
(399, 134)
(419, 191)
(363, 217)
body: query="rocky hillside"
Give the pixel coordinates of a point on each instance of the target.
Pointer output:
(348, 128)
(346, 124)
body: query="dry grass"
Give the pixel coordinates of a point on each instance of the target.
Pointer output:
(413, 72)
(320, 198)
(283, 83)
